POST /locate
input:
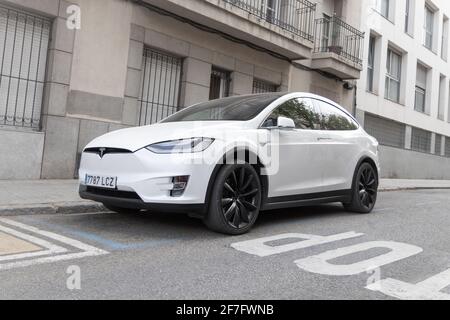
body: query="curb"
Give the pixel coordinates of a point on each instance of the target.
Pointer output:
(51, 208)
(411, 189)
(93, 207)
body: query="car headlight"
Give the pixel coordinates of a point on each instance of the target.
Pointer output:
(181, 146)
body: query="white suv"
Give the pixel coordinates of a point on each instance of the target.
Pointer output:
(226, 160)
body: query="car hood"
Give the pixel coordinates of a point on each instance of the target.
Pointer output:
(137, 138)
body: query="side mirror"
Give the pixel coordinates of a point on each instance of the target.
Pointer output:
(285, 123)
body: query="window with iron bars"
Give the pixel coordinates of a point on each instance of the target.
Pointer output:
(24, 40)
(260, 86)
(421, 140)
(160, 86)
(220, 84)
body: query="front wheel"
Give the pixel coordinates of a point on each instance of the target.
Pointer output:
(235, 200)
(364, 190)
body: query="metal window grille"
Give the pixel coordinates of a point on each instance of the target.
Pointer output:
(220, 84)
(24, 39)
(387, 132)
(447, 146)
(260, 86)
(160, 89)
(421, 140)
(438, 145)
(295, 16)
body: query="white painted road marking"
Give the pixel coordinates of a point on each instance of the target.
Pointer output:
(51, 248)
(425, 290)
(429, 289)
(319, 263)
(87, 250)
(259, 247)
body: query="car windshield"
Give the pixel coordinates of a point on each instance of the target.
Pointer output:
(240, 108)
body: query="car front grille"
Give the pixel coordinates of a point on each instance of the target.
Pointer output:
(104, 151)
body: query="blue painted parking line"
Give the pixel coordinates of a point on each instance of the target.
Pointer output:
(109, 244)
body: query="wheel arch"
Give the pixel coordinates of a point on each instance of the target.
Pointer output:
(238, 155)
(369, 160)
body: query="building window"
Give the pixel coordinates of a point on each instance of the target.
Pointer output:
(387, 132)
(371, 64)
(260, 86)
(325, 41)
(270, 8)
(393, 75)
(438, 145)
(160, 89)
(408, 17)
(421, 140)
(428, 27)
(383, 7)
(421, 88)
(24, 42)
(442, 94)
(447, 147)
(444, 41)
(220, 84)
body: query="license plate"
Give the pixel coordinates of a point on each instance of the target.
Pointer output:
(100, 181)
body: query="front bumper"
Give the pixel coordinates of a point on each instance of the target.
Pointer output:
(130, 200)
(144, 179)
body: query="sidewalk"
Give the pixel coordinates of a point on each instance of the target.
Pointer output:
(61, 196)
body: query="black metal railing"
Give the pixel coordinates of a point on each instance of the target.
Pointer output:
(335, 36)
(24, 40)
(295, 16)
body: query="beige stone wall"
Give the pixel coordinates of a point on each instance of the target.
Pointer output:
(101, 47)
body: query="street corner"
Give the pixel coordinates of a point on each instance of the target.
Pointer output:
(23, 245)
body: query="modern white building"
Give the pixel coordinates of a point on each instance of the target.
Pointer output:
(403, 94)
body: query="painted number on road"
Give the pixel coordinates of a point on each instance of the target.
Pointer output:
(429, 289)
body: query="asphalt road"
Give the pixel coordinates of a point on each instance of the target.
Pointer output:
(161, 256)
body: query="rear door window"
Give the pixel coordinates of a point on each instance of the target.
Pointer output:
(332, 118)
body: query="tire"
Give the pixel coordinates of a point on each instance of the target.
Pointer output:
(235, 200)
(364, 190)
(119, 209)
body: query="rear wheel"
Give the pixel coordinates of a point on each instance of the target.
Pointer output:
(364, 191)
(119, 209)
(235, 200)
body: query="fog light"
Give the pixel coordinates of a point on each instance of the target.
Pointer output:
(179, 185)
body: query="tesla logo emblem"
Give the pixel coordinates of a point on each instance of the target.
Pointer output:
(101, 152)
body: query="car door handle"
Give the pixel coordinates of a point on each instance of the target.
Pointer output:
(324, 139)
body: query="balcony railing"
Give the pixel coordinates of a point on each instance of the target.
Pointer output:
(295, 16)
(335, 36)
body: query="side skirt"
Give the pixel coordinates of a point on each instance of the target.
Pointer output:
(307, 200)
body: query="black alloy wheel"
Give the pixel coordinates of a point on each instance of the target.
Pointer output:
(235, 201)
(364, 191)
(240, 197)
(367, 188)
